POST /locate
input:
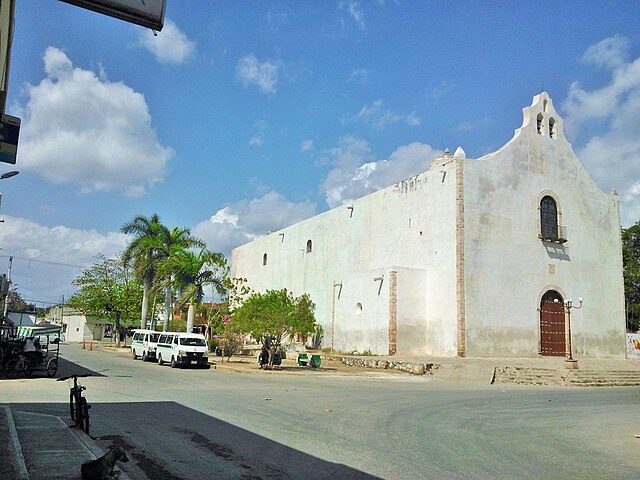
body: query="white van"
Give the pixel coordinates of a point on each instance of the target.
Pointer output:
(182, 349)
(144, 344)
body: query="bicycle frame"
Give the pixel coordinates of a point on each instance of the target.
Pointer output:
(78, 406)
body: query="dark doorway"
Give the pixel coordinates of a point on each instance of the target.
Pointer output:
(552, 333)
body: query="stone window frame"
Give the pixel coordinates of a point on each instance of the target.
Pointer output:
(552, 194)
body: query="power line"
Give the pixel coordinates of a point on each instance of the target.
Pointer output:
(50, 262)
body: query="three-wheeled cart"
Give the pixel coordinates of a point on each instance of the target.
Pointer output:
(46, 339)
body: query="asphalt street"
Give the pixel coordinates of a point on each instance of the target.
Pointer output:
(188, 424)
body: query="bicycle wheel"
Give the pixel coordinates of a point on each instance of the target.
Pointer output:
(72, 405)
(52, 367)
(12, 368)
(83, 410)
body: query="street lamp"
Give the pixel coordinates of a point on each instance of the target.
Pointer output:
(568, 305)
(10, 174)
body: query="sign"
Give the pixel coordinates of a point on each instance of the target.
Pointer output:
(147, 13)
(9, 132)
(633, 345)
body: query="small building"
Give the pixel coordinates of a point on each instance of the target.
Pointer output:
(77, 327)
(471, 257)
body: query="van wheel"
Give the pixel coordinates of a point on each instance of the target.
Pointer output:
(160, 359)
(133, 352)
(145, 357)
(173, 362)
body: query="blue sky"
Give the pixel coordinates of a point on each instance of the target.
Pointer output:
(243, 117)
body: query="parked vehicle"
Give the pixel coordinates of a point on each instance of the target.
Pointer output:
(42, 356)
(182, 349)
(144, 344)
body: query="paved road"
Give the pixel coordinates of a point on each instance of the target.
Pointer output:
(187, 424)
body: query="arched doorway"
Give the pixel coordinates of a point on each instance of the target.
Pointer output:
(552, 333)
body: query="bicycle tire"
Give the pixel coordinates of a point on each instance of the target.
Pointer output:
(72, 405)
(52, 367)
(11, 368)
(83, 421)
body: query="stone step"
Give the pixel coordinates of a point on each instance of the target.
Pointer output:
(544, 376)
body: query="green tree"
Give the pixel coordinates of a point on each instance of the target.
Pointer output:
(16, 303)
(144, 254)
(631, 262)
(272, 316)
(191, 271)
(167, 241)
(108, 289)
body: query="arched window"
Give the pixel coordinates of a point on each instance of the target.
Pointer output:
(552, 128)
(539, 124)
(545, 105)
(264, 259)
(548, 218)
(309, 246)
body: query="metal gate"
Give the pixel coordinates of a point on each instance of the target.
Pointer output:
(552, 329)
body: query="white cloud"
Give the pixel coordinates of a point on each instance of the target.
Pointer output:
(243, 221)
(355, 10)
(611, 52)
(380, 118)
(604, 123)
(306, 145)
(357, 173)
(170, 46)
(81, 129)
(264, 75)
(258, 138)
(45, 281)
(359, 75)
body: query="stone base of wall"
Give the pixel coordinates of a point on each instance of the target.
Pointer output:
(414, 368)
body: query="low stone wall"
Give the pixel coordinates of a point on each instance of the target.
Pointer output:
(410, 367)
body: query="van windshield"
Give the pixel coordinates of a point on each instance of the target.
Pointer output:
(193, 341)
(154, 337)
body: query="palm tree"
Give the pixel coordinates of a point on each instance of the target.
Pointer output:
(192, 271)
(144, 253)
(169, 241)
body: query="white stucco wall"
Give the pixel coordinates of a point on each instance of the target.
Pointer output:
(508, 268)
(77, 329)
(410, 228)
(410, 224)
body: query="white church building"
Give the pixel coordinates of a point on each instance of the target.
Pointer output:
(473, 257)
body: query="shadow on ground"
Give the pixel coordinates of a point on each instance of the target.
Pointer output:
(167, 441)
(65, 367)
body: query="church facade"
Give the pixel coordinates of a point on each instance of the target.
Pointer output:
(473, 257)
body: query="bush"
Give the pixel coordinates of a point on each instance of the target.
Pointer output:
(230, 344)
(213, 344)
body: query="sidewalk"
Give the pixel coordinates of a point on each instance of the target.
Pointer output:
(36, 446)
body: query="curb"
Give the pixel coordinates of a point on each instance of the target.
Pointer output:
(21, 467)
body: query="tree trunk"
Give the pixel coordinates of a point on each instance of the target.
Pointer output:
(116, 331)
(167, 307)
(153, 313)
(191, 314)
(145, 306)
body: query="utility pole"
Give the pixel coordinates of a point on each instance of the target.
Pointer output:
(6, 299)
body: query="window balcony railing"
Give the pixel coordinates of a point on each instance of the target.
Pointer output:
(559, 237)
